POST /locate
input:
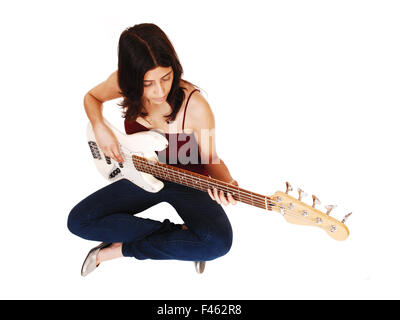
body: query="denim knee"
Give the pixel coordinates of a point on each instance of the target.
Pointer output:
(218, 244)
(75, 221)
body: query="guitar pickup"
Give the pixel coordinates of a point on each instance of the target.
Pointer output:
(94, 150)
(114, 173)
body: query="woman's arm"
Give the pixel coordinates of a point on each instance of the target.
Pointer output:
(94, 99)
(93, 103)
(203, 124)
(219, 171)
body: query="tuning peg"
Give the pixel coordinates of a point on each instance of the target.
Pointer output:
(315, 201)
(346, 216)
(288, 187)
(301, 193)
(329, 208)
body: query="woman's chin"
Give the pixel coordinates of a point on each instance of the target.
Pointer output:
(154, 102)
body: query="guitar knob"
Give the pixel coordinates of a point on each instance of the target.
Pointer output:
(288, 187)
(301, 193)
(329, 208)
(346, 216)
(315, 201)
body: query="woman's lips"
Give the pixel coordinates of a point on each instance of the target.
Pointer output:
(160, 99)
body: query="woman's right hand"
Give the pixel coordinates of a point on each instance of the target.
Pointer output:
(107, 141)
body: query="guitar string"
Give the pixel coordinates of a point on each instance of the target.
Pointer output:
(197, 179)
(179, 173)
(287, 211)
(259, 199)
(261, 203)
(196, 183)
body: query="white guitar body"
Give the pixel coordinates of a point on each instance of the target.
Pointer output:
(142, 144)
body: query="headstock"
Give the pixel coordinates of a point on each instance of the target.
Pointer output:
(297, 212)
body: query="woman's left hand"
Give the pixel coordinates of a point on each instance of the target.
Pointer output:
(220, 197)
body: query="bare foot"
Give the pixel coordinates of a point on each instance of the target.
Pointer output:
(112, 252)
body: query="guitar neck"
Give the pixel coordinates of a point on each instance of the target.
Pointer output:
(200, 182)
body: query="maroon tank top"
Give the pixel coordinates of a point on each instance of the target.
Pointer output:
(182, 151)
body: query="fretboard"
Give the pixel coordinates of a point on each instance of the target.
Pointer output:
(200, 182)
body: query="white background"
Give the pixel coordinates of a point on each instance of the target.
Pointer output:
(302, 91)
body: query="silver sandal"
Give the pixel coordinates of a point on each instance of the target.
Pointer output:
(199, 266)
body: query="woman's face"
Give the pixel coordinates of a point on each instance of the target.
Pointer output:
(157, 84)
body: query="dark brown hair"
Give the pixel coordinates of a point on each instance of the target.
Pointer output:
(141, 48)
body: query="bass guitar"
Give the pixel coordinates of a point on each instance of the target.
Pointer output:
(141, 167)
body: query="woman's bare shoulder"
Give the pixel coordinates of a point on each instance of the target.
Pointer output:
(108, 89)
(199, 112)
(187, 86)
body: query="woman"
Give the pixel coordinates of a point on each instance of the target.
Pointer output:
(154, 97)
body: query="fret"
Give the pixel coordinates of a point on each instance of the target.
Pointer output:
(237, 193)
(198, 183)
(152, 170)
(165, 173)
(181, 179)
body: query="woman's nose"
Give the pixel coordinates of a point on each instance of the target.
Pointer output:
(159, 90)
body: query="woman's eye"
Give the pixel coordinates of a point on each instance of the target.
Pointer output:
(149, 84)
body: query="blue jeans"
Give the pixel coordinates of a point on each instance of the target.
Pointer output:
(108, 215)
